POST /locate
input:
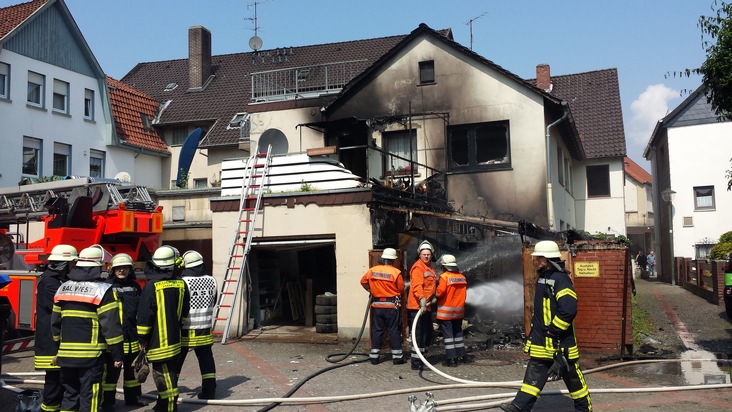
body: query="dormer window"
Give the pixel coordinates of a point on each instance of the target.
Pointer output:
(170, 87)
(239, 120)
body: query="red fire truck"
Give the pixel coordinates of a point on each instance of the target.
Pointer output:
(76, 211)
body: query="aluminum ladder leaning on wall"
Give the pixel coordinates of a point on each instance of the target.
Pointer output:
(254, 184)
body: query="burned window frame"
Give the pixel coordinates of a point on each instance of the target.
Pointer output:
(471, 151)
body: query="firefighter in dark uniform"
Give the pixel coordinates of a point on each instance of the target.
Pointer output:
(122, 278)
(551, 343)
(85, 322)
(197, 333)
(60, 261)
(164, 293)
(385, 283)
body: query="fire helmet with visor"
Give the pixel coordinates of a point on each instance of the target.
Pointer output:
(547, 248)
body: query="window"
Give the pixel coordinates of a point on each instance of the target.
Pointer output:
(170, 87)
(200, 183)
(560, 166)
(239, 120)
(61, 156)
(427, 72)
(4, 81)
(567, 175)
(482, 146)
(178, 136)
(399, 143)
(96, 163)
(704, 198)
(60, 96)
(36, 88)
(598, 181)
(88, 104)
(32, 156)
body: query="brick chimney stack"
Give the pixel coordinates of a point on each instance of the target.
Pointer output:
(199, 56)
(543, 78)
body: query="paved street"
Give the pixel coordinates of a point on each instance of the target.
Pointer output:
(257, 368)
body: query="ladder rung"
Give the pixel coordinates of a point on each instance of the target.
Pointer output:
(246, 220)
(218, 332)
(248, 209)
(236, 256)
(240, 244)
(230, 280)
(234, 268)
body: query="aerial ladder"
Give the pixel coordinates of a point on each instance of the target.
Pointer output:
(254, 185)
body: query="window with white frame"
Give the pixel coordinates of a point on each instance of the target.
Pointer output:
(401, 143)
(36, 89)
(201, 183)
(4, 81)
(60, 96)
(88, 104)
(32, 151)
(96, 163)
(61, 159)
(704, 198)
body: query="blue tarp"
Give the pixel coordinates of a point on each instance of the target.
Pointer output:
(187, 151)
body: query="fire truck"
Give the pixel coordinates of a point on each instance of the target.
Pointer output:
(78, 211)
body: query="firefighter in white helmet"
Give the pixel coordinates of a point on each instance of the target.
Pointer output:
(422, 283)
(451, 292)
(124, 282)
(551, 344)
(197, 332)
(386, 285)
(60, 261)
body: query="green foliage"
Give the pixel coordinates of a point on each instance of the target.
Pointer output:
(716, 70)
(183, 179)
(306, 187)
(42, 179)
(642, 325)
(723, 248)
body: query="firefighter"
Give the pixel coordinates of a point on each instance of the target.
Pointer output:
(551, 343)
(164, 306)
(123, 281)
(85, 322)
(385, 283)
(197, 333)
(60, 261)
(451, 292)
(422, 283)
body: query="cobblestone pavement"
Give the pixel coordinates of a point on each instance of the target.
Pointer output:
(256, 368)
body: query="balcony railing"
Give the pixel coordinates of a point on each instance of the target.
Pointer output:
(305, 81)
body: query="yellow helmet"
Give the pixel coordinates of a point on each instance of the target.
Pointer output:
(122, 259)
(547, 248)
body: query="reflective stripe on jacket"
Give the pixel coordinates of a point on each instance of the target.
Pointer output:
(451, 292)
(203, 291)
(128, 292)
(422, 282)
(383, 281)
(45, 347)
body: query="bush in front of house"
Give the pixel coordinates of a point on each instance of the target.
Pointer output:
(723, 248)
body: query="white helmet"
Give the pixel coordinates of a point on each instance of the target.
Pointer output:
(192, 259)
(63, 253)
(165, 256)
(425, 245)
(547, 248)
(448, 261)
(93, 256)
(122, 259)
(389, 253)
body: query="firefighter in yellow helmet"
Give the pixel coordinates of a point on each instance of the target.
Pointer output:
(160, 336)
(60, 262)
(86, 323)
(551, 344)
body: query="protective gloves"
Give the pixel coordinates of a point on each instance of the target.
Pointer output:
(423, 304)
(560, 365)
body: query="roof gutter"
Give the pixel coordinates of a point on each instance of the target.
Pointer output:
(549, 193)
(142, 150)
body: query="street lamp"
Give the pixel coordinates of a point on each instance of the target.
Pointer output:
(668, 196)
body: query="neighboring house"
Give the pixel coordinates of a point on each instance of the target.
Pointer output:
(55, 107)
(689, 152)
(639, 207)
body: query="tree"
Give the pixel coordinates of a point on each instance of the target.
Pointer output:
(716, 70)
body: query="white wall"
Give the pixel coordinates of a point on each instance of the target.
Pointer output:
(601, 214)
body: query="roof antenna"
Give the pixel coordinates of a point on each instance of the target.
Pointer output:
(470, 23)
(255, 42)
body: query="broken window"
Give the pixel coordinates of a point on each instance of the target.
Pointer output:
(598, 181)
(403, 145)
(481, 146)
(427, 72)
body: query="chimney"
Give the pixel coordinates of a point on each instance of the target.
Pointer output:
(199, 56)
(543, 78)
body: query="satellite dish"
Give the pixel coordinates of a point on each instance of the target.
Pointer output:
(255, 43)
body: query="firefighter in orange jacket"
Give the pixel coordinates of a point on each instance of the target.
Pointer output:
(385, 283)
(422, 283)
(451, 291)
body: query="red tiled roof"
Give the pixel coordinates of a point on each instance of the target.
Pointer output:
(635, 171)
(127, 106)
(230, 90)
(594, 99)
(12, 16)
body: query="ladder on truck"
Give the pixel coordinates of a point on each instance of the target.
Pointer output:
(250, 204)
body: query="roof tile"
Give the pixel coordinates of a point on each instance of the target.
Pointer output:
(12, 16)
(127, 106)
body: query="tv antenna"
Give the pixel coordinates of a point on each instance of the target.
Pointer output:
(470, 23)
(255, 42)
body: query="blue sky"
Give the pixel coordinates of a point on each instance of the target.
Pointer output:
(643, 39)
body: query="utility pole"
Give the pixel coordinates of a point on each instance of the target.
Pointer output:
(470, 24)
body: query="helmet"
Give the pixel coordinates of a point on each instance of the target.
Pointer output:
(389, 253)
(122, 259)
(63, 253)
(93, 256)
(425, 245)
(165, 256)
(192, 259)
(448, 261)
(547, 248)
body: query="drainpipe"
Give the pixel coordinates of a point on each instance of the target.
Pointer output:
(549, 195)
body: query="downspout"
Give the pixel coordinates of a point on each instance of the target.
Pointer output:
(549, 194)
